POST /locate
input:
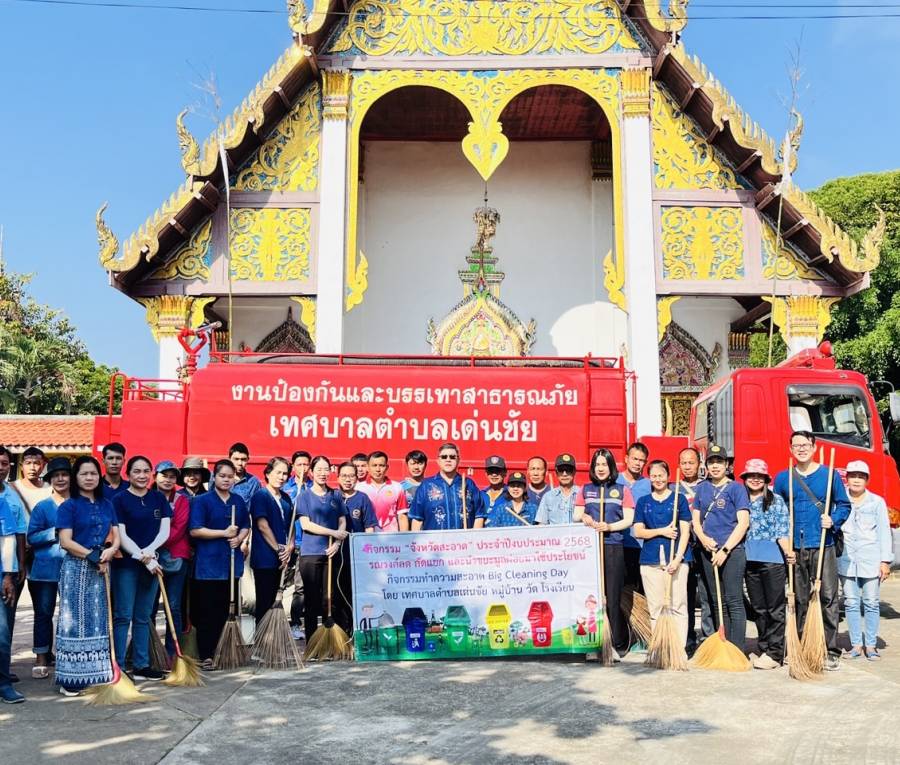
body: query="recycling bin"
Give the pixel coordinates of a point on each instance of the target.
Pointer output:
(415, 623)
(388, 639)
(540, 614)
(456, 625)
(498, 621)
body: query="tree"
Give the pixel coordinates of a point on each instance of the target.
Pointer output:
(44, 366)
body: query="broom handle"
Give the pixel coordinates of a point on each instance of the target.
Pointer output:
(602, 547)
(791, 521)
(719, 598)
(169, 619)
(464, 492)
(289, 536)
(231, 604)
(827, 512)
(675, 513)
(328, 585)
(116, 672)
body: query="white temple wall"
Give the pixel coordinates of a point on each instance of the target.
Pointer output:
(254, 318)
(416, 229)
(708, 319)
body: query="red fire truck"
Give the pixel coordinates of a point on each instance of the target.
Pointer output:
(519, 408)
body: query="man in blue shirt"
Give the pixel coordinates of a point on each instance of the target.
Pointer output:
(246, 484)
(811, 517)
(446, 500)
(113, 462)
(632, 477)
(12, 556)
(295, 486)
(558, 504)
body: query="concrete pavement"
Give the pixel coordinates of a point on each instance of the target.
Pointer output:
(541, 711)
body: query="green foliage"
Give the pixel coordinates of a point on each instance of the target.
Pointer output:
(44, 366)
(759, 348)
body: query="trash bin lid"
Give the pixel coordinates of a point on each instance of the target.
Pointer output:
(457, 615)
(385, 620)
(413, 614)
(498, 610)
(540, 609)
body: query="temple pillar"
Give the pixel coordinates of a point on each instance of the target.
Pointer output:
(166, 315)
(640, 272)
(332, 212)
(802, 320)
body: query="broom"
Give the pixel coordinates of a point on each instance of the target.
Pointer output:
(666, 649)
(185, 671)
(606, 649)
(329, 641)
(797, 668)
(188, 638)
(716, 652)
(159, 659)
(273, 644)
(230, 650)
(635, 606)
(812, 644)
(120, 690)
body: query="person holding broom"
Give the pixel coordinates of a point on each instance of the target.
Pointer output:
(653, 525)
(448, 500)
(83, 641)
(811, 516)
(689, 467)
(215, 536)
(271, 510)
(721, 517)
(604, 490)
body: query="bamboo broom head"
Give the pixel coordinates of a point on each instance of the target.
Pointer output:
(120, 691)
(813, 648)
(273, 645)
(607, 652)
(329, 643)
(231, 653)
(635, 605)
(666, 648)
(185, 673)
(159, 659)
(718, 653)
(797, 668)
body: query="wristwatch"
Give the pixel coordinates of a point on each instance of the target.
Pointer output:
(726, 550)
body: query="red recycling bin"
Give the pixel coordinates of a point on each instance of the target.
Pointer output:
(541, 617)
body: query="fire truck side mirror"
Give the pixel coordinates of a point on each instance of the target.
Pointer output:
(894, 400)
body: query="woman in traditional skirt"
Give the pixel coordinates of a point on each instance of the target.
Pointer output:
(88, 532)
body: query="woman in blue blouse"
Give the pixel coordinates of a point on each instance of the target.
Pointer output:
(767, 548)
(43, 578)
(89, 534)
(512, 508)
(270, 509)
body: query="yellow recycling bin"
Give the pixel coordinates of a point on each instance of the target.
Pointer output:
(498, 621)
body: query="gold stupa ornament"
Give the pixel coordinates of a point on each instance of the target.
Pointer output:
(481, 324)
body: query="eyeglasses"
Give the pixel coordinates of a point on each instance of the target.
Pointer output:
(448, 457)
(802, 447)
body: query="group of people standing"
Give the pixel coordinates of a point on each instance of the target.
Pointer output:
(79, 531)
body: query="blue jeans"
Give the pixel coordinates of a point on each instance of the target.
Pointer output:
(175, 591)
(7, 617)
(43, 599)
(868, 590)
(134, 595)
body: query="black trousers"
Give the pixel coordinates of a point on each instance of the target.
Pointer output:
(805, 577)
(613, 584)
(267, 581)
(314, 570)
(293, 575)
(343, 598)
(633, 568)
(209, 612)
(731, 582)
(765, 588)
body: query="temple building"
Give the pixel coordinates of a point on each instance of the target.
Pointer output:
(498, 178)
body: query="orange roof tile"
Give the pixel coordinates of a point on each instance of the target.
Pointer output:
(50, 433)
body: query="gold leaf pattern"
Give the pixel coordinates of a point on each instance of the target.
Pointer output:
(787, 265)
(191, 260)
(702, 243)
(269, 244)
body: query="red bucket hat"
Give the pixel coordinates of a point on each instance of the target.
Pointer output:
(756, 467)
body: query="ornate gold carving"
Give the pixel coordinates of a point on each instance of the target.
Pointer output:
(786, 265)
(307, 314)
(675, 21)
(664, 313)
(187, 144)
(289, 159)
(167, 314)
(635, 92)
(357, 282)
(335, 94)
(269, 244)
(682, 157)
(702, 243)
(304, 22)
(108, 241)
(485, 147)
(485, 94)
(467, 27)
(191, 260)
(836, 241)
(801, 315)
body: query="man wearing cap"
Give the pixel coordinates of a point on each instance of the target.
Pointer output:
(558, 504)
(495, 470)
(810, 517)
(513, 508)
(194, 477)
(866, 561)
(721, 517)
(446, 500)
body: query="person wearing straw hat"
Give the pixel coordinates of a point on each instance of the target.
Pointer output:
(43, 577)
(866, 561)
(513, 508)
(721, 516)
(84, 522)
(558, 504)
(214, 538)
(194, 477)
(810, 517)
(767, 548)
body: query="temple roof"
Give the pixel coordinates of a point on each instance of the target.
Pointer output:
(700, 95)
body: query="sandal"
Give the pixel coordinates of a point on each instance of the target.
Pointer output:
(872, 654)
(208, 665)
(40, 672)
(855, 653)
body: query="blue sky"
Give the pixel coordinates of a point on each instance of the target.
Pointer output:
(89, 98)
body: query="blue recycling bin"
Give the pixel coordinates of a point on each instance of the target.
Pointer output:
(415, 623)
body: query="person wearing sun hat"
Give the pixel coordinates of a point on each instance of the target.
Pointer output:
(865, 562)
(768, 547)
(513, 508)
(194, 477)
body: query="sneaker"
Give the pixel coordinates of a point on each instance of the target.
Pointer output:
(832, 663)
(872, 654)
(66, 692)
(40, 672)
(765, 662)
(8, 695)
(148, 673)
(855, 653)
(297, 633)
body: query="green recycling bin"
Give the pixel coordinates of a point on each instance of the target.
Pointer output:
(388, 639)
(456, 626)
